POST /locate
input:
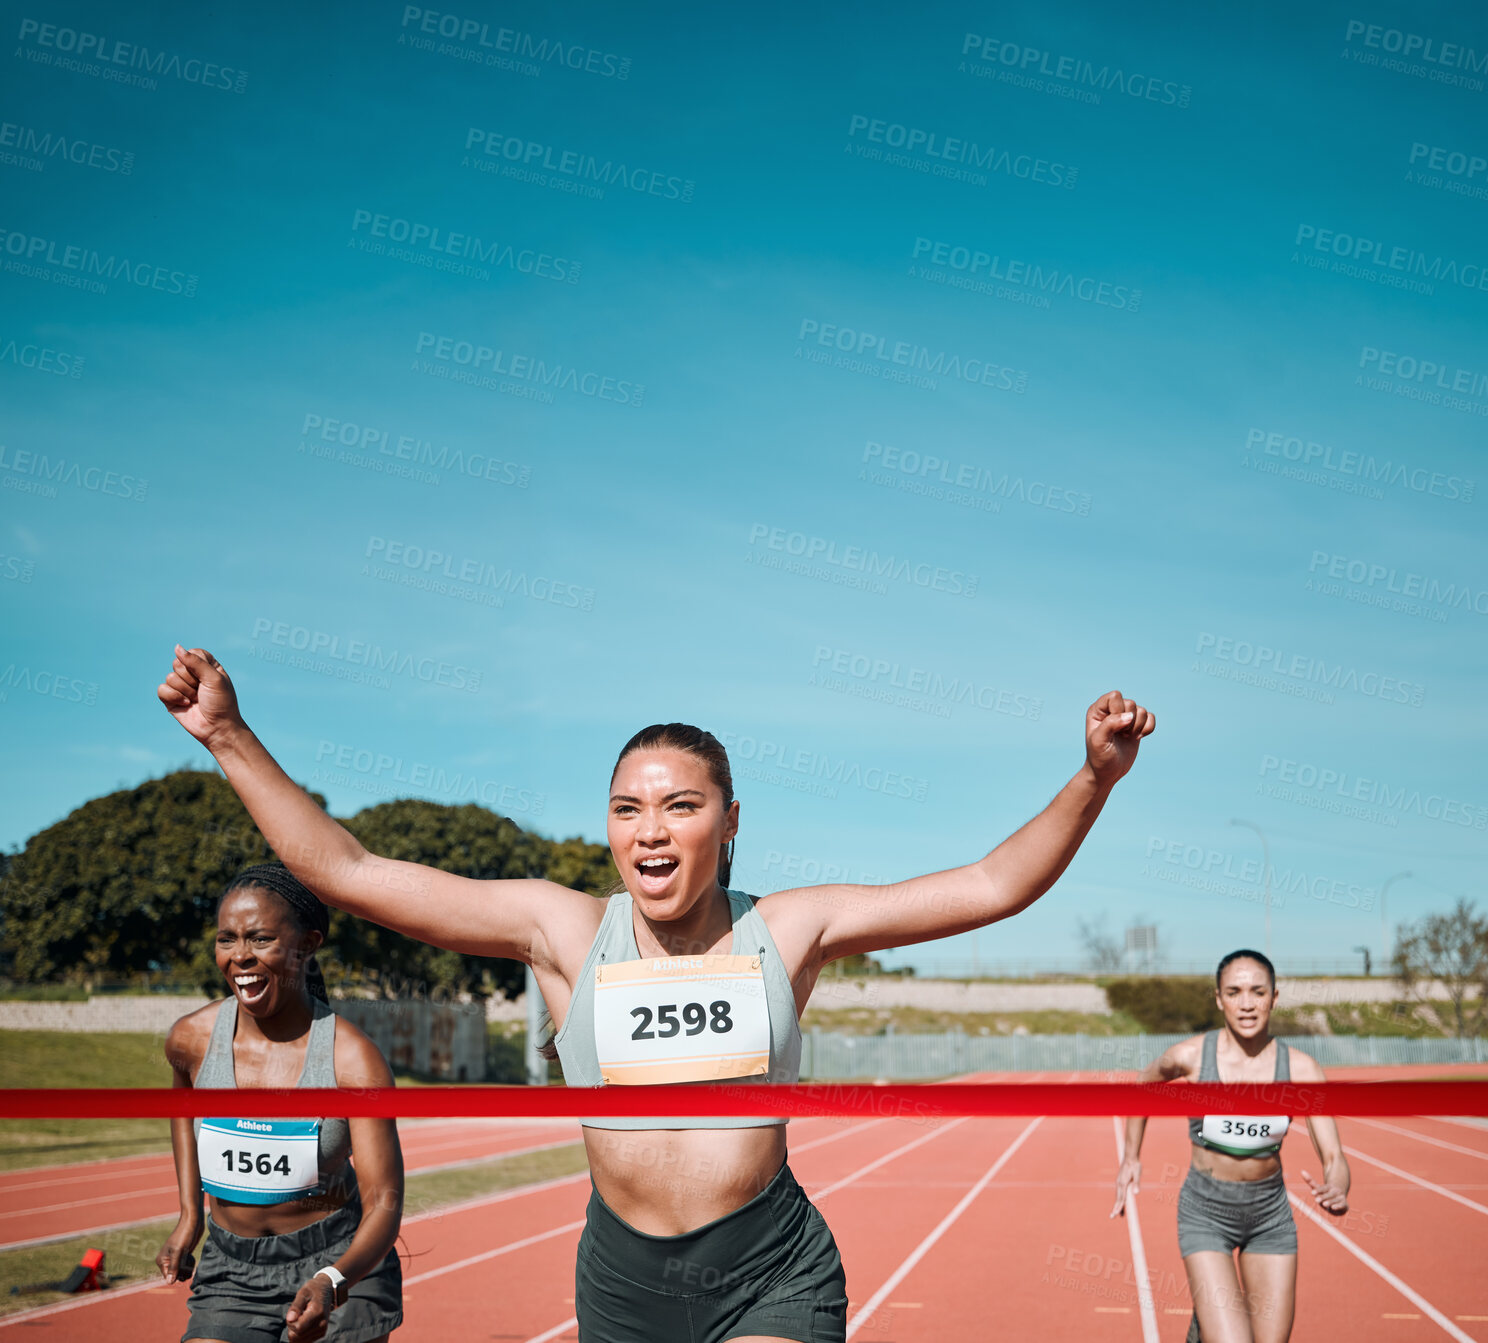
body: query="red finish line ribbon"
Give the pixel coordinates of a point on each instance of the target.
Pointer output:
(817, 1099)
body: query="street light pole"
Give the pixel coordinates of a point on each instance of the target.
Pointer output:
(1384, 922)
(1265, 876)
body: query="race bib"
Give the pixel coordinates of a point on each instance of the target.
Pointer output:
(259, 1160)
(1245, 1135)
(681, 1019)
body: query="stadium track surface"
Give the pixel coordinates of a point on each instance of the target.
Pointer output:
(45, 1203)
(965, 1229)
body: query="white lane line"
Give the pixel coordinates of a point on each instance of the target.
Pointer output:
(7, 1187)
(7, 1246)
(1409, 1293)
(466, 1162)
(165, 1214)
(548, 1334)
(114, 1294)
(89, 1202)
(1420, 1137)
(923, 1248)
(1138, 1252)
(492, 1254)
(820, 1194)
(1462, 1121)
(885, 1159)
(1416, 1179)
(831, 1137)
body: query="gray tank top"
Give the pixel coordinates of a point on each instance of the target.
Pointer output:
(615, 942)
(1209, 1072)
(217, 1070)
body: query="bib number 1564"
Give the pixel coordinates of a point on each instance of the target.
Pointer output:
(247, 1163)
(694, 1021)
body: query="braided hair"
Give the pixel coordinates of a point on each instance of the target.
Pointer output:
(308, 912)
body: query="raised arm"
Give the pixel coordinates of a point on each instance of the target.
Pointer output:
(843, 920)
(519, 919)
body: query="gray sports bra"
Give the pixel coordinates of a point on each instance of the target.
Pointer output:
(319, 1071)
(1209, 1072)
(615, 943)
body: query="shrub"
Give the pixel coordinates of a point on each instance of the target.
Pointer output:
(1167, 1004)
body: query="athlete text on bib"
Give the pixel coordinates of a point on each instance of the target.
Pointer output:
(259, 1160)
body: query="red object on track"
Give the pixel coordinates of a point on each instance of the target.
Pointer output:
(821, 1099)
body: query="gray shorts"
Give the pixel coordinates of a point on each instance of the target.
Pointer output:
(1252, 1216)
(243, 1284)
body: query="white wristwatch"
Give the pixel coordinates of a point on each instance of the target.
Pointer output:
(337, 1278)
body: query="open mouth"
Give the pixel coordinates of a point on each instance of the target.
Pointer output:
(250, 988)
(656, 873)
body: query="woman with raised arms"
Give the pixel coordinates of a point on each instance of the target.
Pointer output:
(674, 978)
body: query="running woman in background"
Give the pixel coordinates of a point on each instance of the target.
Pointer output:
(1234, 1197)
(299, 1243)
(674, 978)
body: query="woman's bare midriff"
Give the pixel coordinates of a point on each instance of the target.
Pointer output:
(668, 1181)
(1222, 1166)
(277, 1219)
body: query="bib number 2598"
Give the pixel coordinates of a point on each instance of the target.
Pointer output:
(695, 1020)
(681, 1019)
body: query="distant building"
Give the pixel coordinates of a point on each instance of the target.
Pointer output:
(1141, 947)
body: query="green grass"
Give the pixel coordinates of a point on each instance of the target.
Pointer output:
(1414, 1021)
(130, 1251)
(916, 1021)
(76, 1059)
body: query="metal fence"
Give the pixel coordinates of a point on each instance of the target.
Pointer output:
(829, 1056)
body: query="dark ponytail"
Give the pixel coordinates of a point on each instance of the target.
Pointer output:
(309, 914)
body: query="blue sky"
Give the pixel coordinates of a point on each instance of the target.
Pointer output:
(1277, 445)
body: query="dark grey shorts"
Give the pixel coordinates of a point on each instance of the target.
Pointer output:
(1252, 1216)
(244, 1284)
(770, 1267)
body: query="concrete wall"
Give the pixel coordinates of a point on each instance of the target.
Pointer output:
(441, 1040)
(155, 1013)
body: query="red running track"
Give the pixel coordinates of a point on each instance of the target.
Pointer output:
(44, 1203)
(974, 1228)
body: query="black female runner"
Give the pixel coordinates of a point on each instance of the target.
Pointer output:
(299, 1243)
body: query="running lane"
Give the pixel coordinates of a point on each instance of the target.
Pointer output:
(53, 1202)
(1428, 1244)
(502, 1267)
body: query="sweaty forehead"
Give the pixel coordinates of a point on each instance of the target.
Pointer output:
(1242, 973)
(252, 905)
(655, 773)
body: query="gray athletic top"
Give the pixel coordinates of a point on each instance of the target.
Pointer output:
(1209, 1072)
(615, 942)
(319, 1071)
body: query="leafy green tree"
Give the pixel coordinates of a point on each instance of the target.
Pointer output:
(1169, 1003)
(129, 883)
(1450, 949)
